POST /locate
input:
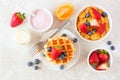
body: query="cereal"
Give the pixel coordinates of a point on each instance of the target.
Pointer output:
(99, 23)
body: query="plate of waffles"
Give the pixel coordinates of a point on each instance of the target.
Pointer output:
(60, 52)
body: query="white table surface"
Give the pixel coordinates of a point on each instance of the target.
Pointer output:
(12, 66)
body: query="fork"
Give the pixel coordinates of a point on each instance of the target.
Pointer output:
(38, 47)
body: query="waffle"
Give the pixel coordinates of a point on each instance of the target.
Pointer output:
(66, 46)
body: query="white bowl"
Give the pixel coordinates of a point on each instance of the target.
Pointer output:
(109, 18)
(46, 27)
(110, 60)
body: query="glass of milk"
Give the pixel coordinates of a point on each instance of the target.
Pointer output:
(22, 37)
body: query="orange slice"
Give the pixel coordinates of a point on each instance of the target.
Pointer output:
(65, 11)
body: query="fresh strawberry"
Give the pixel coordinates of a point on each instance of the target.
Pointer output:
(103, 55)
(94, 22)
(94, 58)
(83, 28)
(17, 19)
(55, 53)
(101, 29)
(96, 14)
(102, 66)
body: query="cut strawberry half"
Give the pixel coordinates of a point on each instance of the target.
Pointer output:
(97, 14)
(83, 28)
(55, 53)
(102, 66)
(94, 58)
(101, 29)
(94, 22)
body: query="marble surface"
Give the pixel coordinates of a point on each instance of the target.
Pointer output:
(13, 56)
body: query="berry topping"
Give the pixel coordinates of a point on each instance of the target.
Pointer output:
(36, 67)
(64, 35)
(109, 42)
(104, 14)
(62, 56)
(87, 15)
(94, 22)
(75, 40)
(55, 53)
(83, 28)
(64, 53)
(87, 23)
(37, 61)
(94, 58)
(90, 33)
(94, 30)
(97, 14)
(112, 47)
(49, 49)
(30, 63)
(101, 29)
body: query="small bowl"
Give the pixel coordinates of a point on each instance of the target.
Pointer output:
(41, 19)
(109, 19)
(96, 67)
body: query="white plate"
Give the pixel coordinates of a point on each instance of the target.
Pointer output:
(76, 54)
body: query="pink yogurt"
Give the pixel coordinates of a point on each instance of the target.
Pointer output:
(41, 19)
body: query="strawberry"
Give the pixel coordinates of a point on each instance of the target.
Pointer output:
(17, 19)
(101, 29)
(103, 56)
(102, 66)
(94, 22)
(55, 53)
(94, 58)
(97, 14)
(83, 28)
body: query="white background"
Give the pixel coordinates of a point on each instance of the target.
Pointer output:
(12, 66)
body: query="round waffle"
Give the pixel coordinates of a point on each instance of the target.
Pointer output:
(66, 45)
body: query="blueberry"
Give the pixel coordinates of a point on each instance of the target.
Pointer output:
(61, 67)
(49, 49)
(112, 47)
(64, 34)
(75, 40)
(37, 61)
(87, 23)
(87, 15)
(104, 14)
(36, 67)
(30, 63)
(64, 53)
(89, 33)
(94, 29)
(62, 57)
(109, 42)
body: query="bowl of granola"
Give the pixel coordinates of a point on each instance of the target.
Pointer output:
(93, 23)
